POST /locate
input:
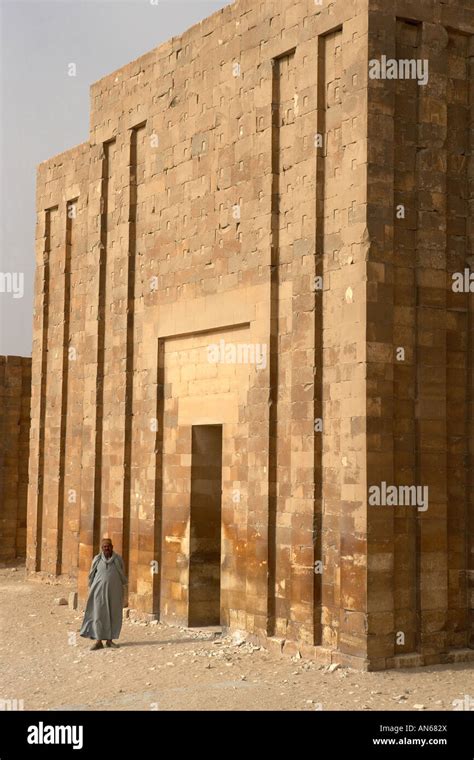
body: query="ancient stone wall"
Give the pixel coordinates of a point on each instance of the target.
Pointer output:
(420, 381)
(15, 392)
(226, 250)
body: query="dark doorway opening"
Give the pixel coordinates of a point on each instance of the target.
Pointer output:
(205, 534)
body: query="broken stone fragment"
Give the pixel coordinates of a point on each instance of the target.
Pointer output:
(238, 638)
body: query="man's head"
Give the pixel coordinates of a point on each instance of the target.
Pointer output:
(107, 547)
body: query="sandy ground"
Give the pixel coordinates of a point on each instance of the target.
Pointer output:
(44, 662)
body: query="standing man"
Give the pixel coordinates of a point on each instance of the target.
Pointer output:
(103, 615)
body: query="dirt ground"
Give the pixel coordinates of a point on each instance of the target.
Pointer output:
(44, 662)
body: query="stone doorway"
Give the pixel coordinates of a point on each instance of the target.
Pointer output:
(205, 526)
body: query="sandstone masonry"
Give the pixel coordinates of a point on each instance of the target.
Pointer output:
(247, 184)
(15, 393)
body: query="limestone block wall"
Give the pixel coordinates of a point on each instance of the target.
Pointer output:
(60, 352)
(420, 380)
(239, 188)
(15, 392)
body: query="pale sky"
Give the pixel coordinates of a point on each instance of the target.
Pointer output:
(43, 111)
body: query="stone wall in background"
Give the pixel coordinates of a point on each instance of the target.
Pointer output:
(15, 396)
